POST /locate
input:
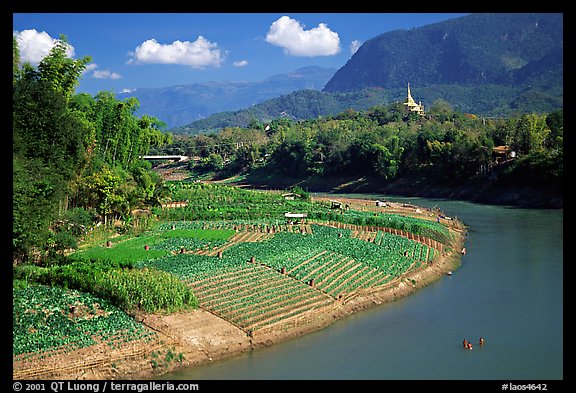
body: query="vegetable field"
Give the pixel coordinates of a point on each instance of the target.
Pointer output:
(265, 275)
(229, 251)
(53, 320)
(255, 296)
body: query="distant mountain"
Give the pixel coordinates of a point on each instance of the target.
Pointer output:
(180, 105)
(477, 49)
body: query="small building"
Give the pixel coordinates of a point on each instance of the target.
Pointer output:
(336, 205)
(503, 152)
(295, 218)
(290, 196)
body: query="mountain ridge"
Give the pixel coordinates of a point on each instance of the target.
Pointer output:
(484, 48)
(181, 104)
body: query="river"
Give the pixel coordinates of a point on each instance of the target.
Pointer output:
(508, 290)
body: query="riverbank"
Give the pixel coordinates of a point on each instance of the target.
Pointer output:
(190, 338)
(479, 191)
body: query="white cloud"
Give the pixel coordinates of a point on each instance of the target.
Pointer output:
(93, 70)
(126, 90)
(240, 63)
(34, 45)
(105, 74)
(289, 34)
(355, 45)
(198, 54)
(90, 67)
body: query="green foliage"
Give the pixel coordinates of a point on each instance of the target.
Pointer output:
(61, 71)
(299, 191)
(208, 234)
(42, 321)
(15, 60)
(32, 208)
(117, 282)
(148, 290)
(446, 147)
(73, 152)
(127, 251)
(545, 169)
(222, 208)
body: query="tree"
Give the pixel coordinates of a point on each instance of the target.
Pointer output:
(555, 122)
(60, 71)
(15, 60)
(101, 190)
(441, 110)
(292, 157)
(531, 132)
(33, 201)
(73, 152)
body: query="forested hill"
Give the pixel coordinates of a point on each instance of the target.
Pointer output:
(477, 49)
(482, 100)
(299, 105)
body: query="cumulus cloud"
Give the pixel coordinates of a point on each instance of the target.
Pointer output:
(354, 46)
(240, 63)
(290, 34)
(90, 67)
(198, 54)
(105, 74)
(92, 70)
(34, 45)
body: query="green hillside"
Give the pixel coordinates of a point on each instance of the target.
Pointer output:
(478, 49)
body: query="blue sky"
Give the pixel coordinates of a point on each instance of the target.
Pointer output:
(139, 50)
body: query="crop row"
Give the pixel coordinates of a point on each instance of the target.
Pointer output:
(255, 296)
(219, 202)
(188, 266)
(192, 244)
(259, 225)
(325, 256)
(391, 256)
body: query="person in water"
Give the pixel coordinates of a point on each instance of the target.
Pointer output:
(465, 343)
(481, 341)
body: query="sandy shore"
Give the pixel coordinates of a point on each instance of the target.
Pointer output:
(190, 338)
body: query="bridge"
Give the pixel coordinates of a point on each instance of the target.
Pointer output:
(171, 158)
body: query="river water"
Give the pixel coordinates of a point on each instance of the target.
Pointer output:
(508, 290)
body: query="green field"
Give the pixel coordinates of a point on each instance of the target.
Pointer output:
(231, 252)
(43, 321)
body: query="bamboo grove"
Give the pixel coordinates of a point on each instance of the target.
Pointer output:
(75, 157)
